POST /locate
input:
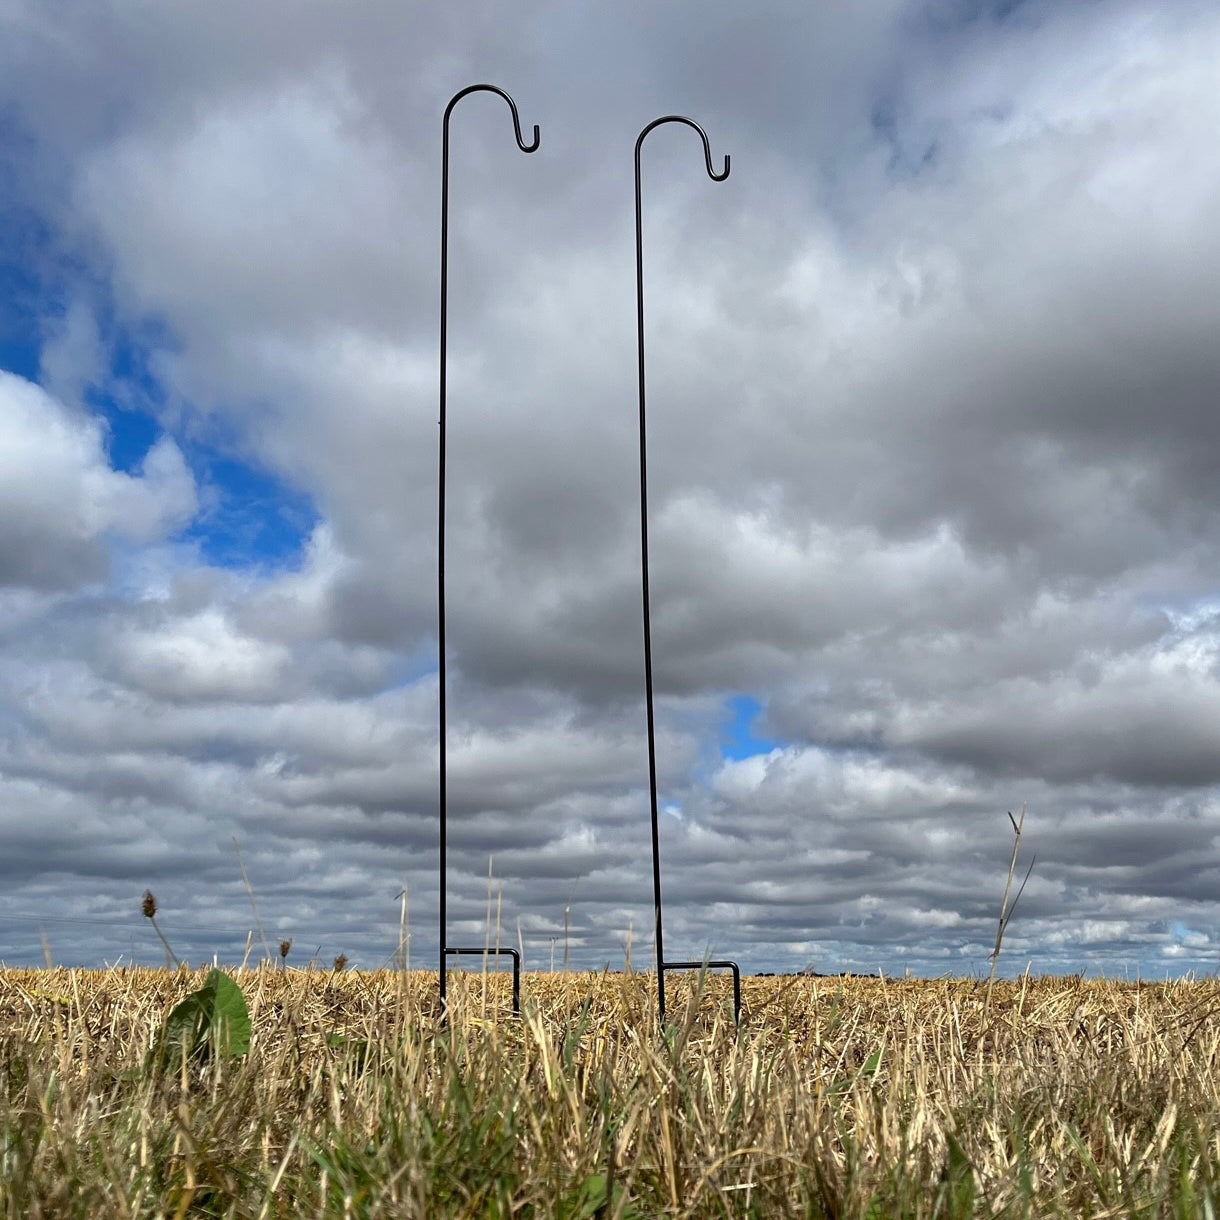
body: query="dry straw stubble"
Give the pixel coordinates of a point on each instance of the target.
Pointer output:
(856, 1097)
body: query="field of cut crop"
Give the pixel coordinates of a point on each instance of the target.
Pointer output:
(837, 1098)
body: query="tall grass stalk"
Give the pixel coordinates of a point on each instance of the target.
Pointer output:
(149, 908)
(258, 923)
(1006, 912)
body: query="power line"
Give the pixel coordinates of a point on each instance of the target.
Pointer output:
(132, 926)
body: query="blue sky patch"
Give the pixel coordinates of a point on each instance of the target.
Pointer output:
(738, 738)
(1182, 932)
(248, 516)
(19, 339)
(129, 401)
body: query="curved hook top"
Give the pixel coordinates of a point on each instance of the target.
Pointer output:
(707, 148)
(521, 144)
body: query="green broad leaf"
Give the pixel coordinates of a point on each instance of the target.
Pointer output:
(867, 1070)
(876, 1209)
(591, 1199)
(211, 1021)
(957, 1185)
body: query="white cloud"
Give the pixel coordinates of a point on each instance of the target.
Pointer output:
(73, 355)
(60, 499)
(200, 656)
(932, 383)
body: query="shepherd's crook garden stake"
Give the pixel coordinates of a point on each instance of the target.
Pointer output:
(445, 951)
(662, 964)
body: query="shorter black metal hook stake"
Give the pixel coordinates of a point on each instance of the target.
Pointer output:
(662, 964)
(445, 950)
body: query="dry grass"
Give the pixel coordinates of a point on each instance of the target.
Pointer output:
(859, 1097)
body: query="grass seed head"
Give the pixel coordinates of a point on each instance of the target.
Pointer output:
(149, 905)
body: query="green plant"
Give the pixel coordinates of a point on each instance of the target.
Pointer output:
(213, 1022)
(597, 1196)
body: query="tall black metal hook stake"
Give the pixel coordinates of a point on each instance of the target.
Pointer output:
(662, 964)
(445, 950)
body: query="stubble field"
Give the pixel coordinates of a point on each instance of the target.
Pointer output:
(837, 1098)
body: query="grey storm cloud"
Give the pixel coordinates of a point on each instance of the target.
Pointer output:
(933, 455)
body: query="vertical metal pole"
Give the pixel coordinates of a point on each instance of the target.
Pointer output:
(652, 748)
(442, 947)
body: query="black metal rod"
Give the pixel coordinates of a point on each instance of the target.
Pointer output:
(652, 747)
(440, 575)
(720, 965)
(500, 952)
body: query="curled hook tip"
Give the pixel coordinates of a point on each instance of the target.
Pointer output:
(707, 147)
(461, 93)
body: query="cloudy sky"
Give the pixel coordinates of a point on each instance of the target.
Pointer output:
(934, 479)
